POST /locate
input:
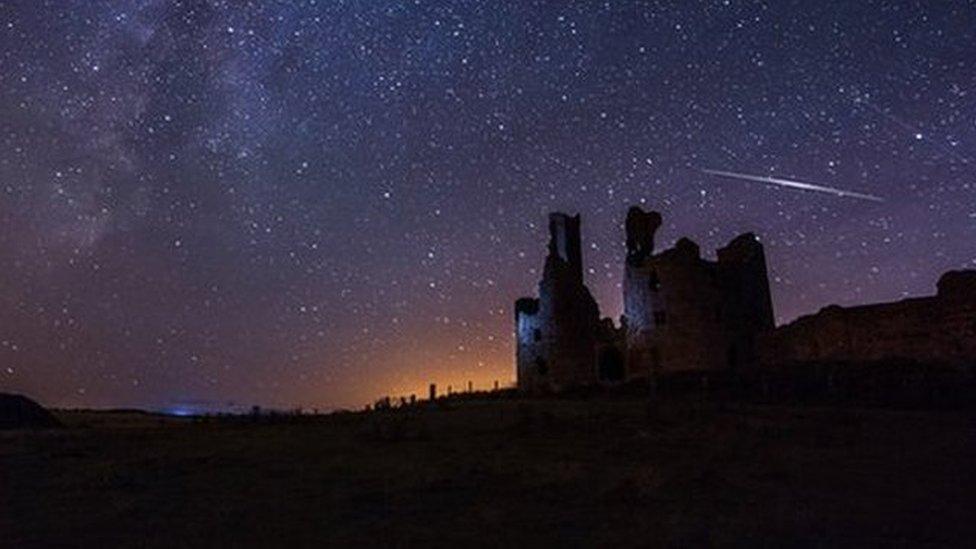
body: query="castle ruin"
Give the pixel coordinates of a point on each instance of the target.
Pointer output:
(687, 314)
(681, 312)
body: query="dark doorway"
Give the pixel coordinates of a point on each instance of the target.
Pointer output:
(732, 357)
(610, 365)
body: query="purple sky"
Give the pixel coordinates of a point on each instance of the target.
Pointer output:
(317, 203)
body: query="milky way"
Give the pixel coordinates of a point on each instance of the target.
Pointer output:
(315, 203)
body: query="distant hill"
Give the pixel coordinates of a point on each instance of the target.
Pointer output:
(20, 412)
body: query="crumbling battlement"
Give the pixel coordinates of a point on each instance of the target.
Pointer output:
(940, 329)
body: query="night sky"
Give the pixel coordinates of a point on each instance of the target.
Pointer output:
(207, 204)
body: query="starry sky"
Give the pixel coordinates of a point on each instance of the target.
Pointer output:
(210, 204)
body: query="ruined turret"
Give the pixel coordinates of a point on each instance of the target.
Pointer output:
(565, 248)
(748, 307)
(640, 227)
(641, 288)
(558, 332)
(743, 265)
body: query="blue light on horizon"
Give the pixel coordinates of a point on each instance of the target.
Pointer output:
(179, 412)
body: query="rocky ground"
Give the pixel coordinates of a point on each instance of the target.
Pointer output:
(497, 473)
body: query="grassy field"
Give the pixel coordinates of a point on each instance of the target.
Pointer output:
(494, 473)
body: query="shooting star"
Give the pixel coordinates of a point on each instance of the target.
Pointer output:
(794, 184)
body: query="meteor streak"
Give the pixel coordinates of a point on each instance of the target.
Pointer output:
(793, 184)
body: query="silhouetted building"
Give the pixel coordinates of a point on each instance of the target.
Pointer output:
(559, 333)
(682, 313)
(686, 313)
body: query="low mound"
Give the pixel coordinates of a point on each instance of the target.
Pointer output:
(20, 412)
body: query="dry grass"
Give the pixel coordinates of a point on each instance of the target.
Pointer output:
(498, 473)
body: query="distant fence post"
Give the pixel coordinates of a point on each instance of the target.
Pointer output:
(496, 385)
(470, 387)
(433, 391)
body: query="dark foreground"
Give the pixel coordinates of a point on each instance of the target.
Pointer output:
(498, 473)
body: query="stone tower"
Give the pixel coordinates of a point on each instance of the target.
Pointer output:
(748, 306)
(565, 243)
(557, 334)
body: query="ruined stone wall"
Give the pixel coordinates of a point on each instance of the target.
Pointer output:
(641, 299)
(674, 314)
(685, 313)
(569, 321)
(530, 358)
(938, 330)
